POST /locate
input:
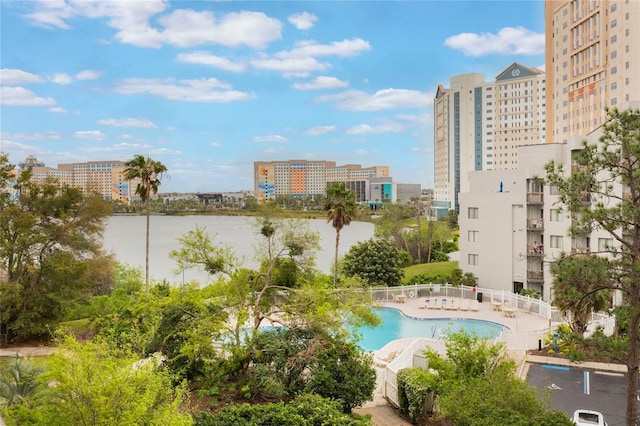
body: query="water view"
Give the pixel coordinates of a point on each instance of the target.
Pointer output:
(125, 236)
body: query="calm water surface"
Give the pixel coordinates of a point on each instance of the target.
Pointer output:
(125, 236)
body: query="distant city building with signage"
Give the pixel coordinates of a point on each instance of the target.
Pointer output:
(306, 178)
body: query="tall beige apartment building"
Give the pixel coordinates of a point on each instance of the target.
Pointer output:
(512, 225)
(592, 62)
(479, 125)
(305, 178)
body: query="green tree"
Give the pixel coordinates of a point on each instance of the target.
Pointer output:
(148, 174)
(476, 384)
(304, 410)
(375, 261)
(97, 384)
(18, 381)
(607, 174)
(51, 252)
(198, 251)
(578, 282)
(293, 361)
(340, 205)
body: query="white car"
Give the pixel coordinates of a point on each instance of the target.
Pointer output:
(588, 418)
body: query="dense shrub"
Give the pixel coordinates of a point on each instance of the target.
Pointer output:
(305, 410)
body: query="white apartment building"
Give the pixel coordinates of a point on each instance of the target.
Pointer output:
(513, 226)
(479, 125)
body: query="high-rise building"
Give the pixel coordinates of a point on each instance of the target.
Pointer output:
(478, 125)
(94, 177)
(592, 62)
(512, 225)
(305, 178)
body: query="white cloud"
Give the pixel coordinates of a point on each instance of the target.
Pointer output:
(206, 58)
(298, 67)
(61, 78)
(421, 149)
(215, 144)
(344, 48)
(93, 135)
(303, 20)
(270, 138)
(32, 136)
(127, 122)
(321, 82)
(363, 129)
(185, 28)
(508, 41)
(320, 130)
(57, 110)
(202, 90)
(381, 100)
(88, 75)
(15, 76)
(124, 146)
(182, 27)
(362, 151)
(273, 150)
(22, 96)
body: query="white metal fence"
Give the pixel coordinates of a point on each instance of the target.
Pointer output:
(525, 303)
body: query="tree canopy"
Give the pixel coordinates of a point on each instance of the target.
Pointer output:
(340, 205)
(602, 193)
(50, 249)
(377, 262)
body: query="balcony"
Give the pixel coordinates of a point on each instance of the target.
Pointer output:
(535, 275)
(580, 250)
(535, 249)
(536, 224)
(575, 168)
(534, 198)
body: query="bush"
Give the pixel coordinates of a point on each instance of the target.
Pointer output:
(416, 393)
(305, 410)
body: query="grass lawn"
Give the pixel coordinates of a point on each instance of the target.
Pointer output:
(438, 268)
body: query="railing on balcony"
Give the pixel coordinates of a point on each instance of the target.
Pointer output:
(535, 249)
(535, 275)
(575, 168)
(534, 198)
(537, 224)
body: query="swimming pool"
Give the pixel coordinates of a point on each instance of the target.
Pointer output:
(396, 325)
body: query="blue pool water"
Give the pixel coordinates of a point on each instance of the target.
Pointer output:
(395, 325)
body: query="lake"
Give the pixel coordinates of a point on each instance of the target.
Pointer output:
(125, 237)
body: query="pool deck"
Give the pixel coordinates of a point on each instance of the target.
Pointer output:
(524, 331)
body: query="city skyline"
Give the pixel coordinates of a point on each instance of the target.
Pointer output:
(208, 88)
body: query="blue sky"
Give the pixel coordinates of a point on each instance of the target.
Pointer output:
(209, 87)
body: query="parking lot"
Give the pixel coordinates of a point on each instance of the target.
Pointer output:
(579, 388)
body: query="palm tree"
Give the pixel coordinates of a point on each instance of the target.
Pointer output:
(340, 205)
(148, 174)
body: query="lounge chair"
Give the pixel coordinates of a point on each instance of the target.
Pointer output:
(474, 306)
(464, 305)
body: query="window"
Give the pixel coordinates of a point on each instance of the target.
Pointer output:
(553, 190)
(556, 241)
(473, 259)
(473, 212)
(556, 215)
(473, 236)
(605, 244)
